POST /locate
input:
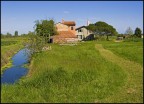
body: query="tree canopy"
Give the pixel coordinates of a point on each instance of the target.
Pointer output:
(38, 39)
(138, 32)
(102, 28)
(8, 34)
(45, 28)
(16, 33)
(129, 31)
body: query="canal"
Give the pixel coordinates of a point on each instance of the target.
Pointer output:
(17, 70)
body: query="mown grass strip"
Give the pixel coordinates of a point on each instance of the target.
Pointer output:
(133, 89)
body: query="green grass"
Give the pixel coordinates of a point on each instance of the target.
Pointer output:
(69, 74)
(6, 43)
(129, 50)
(132, 91)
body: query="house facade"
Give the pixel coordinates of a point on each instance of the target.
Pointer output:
(83, 33)
(66, 32)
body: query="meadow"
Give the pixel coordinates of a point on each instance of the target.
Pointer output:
(92, 72)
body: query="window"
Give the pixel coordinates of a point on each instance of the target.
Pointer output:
(79, 30)
(80, 36)
(71, 28)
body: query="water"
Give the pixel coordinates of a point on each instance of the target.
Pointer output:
(14, 73)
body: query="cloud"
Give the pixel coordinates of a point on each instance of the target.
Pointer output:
(66, 12)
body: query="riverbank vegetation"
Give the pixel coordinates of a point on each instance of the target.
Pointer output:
(9, 46)
(80, 73)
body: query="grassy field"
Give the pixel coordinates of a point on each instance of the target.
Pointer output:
(129, 50)
(9, 46)
(82, 73)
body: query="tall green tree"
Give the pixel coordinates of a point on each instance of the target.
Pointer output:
(129, 31)
(45, 29)
(138, 32)
(102, 28)
(16, 33)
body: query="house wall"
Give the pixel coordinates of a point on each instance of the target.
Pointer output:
(59, 40)
(84, 32)
(62, 27)
(64, 40)
(73, 31)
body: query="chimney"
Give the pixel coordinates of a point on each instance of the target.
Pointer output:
(62, 20)
(88, 22)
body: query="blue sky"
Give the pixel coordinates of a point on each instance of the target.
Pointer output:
(20, 15)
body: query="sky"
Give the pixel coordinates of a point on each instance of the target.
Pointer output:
(21, 15)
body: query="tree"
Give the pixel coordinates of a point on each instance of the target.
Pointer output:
(8, 34)
(129, 31)
(137, 32)
(37, 39)
(35, 43)
(16, 33)
(102, 28)
(45, 29)
(91, 27)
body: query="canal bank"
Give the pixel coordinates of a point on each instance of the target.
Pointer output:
(6, 56)
(17, 70)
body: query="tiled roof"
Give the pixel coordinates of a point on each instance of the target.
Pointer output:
(71, 23)
(65, 34)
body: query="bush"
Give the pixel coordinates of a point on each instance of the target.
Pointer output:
(134, 39)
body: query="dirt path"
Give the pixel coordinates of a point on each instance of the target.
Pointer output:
(133, 89)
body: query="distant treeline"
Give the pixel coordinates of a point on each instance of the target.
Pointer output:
(9, 35)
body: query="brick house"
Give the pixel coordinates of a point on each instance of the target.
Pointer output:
(66, 32)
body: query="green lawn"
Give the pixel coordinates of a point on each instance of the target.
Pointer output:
(74, 74)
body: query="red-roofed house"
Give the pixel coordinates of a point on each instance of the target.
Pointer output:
(66, 32)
